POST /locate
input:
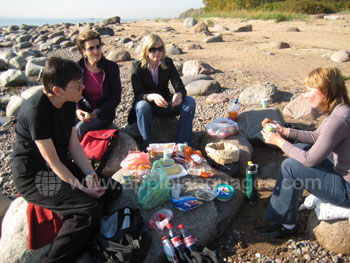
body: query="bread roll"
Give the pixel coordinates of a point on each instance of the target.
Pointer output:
(175, 169)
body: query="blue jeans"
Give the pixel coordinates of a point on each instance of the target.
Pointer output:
(92, 125)
(294, 177)
(145, 111)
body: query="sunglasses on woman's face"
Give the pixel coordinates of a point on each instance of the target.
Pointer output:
(154, 49)
(97, 47)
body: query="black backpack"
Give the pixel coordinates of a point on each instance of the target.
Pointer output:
(128, 245)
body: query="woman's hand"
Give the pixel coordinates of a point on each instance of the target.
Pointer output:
(158, 100)
(85, 116)
(177, 99)
(273, 138)
(94, 191)
(279, 129)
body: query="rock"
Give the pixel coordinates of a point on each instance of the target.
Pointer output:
(13, 78)
(22, 45)
(169, 29)
(67, 43)
(3, 64)
(31, 91)
(200, 27)
(173, 50)
(292, 29)
(217, 38)
(112, 20)
(23, 38)
(6, 55)
(240, 140)
(46, 47)
(125, 40)
(220, 28)
(105, 31)
(39, 61)
(56, 34)
(29, 53)
(193, 46)
(217, 98)
(6, 44)
(18, 63)
(247, 28)
(331, 17)
(333, 235)
(118, 56)
(120, 149)
(202, 87)
(191, 78)
(279, 45)
(268, 171)
(249, 121)
(13, 106)
(254, 94)
(35, 66)
(299, 108)
(195, 67)
(5, 202)
(218, 215)
(58, 40)
(341, 56)
(190, 22)
(163, 130)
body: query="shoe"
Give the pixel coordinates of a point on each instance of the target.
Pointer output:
(276, 231)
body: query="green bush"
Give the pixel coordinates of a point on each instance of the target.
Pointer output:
(210, 23)
(305, 7)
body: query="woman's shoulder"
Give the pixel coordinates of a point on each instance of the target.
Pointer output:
(168, 61)
(105, 63)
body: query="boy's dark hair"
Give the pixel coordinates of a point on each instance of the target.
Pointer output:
(58, 72)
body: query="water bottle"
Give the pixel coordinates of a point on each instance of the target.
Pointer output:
(177, 242)
(251, 182)
(126, 221)
(233, 110)
(190, 244)
(169, 250)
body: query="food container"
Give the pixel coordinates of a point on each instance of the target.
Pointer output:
(270, 127)
(264, 103)
(224, 192)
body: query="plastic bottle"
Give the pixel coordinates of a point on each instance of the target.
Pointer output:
(233, 110)
(251, 182)
(177, 242)
(126, 221)
(190, 244)
(169, 250)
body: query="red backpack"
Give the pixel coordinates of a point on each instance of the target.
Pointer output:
(96, 143)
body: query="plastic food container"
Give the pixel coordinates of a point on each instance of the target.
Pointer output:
(224, 192)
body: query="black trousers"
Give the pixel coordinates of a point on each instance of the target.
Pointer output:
(81, 213)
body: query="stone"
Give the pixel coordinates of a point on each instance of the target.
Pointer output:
(240, 140)
(105, 31)
(216, 214)
(220, 28)
(279, 45)
(173, 50)
(67, 43)
(18, 63)
(333, 235)
(3, 64)
(56, 34)
(39, 61)
(31, 91)
(120, 148)
(5, 203)
(13, 78)
(193, 46)
(125, 40)
(195, 67)
(254, 94)
(341, 56)
(292, 29)
(13, 106)
(213, 39)
(202, 87)
(299, 108)
(119, 56)
(6, 55)
(23, 38)
(35, 66)
(200, 27)
(191, 78)
(216, 98)
(112, 20)
(246, 28)
(6, 44)
(58, 40)
(29, 53)
(190, 22)
(23, 45)
(249, 121)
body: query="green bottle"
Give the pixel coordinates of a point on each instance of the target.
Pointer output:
(251, 183)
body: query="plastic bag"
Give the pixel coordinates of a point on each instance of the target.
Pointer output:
(160, 219)
(109, 225)
(222, 127)
(222, 152)
(155, 188)
(135, 159)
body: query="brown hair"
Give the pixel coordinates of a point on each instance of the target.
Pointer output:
(330, 82)
(84, 36)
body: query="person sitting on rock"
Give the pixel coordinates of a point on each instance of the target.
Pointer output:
(101, 77)
(311, 165)
(150, 78)
(50, 166)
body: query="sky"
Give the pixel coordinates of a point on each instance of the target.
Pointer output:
(140, 9)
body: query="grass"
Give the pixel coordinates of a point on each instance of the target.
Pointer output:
(256, 15)
(346, 78)
(164, 20)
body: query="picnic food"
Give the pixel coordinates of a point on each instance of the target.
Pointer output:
(265, 121)
(87, 115)
(175, 169)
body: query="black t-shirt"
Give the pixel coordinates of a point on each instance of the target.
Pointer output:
(38, 119)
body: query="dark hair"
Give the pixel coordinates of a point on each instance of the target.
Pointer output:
(84, 36)
(58, 72)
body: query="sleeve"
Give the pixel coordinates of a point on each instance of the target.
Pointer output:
(330, 135)
(138, 84)
(38, 124)
(304, 136)
(176, 80)
(115, 90)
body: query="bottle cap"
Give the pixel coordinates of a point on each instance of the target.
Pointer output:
(236, 100)
(164, 237)
(168, 226)
(250, 163)
(181, 226)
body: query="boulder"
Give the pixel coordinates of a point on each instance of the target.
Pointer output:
(67, 43)
(5, 203)
(292, 29)
(18, 63)
(35, 66)
(240, 140)
(193, 46)
(31, 91)
(213, 39)
(173, 50)
(249, 121)
(341, 56)
(190, 22)
(125, 40)
(23, 45)
(23, 38)
(3, 64)
(299, 108)
(120, 148)
(247, 28)
(119, 56)
(332, 235)
(56, 34)
(6, 55)
(200, 27)
(279, 45)
(254, 94)
(195, 67)
(13, 106)
(6, 44)
(112, 20)
(220, 28)
(216, 214)
(191, 78)
(29, 53)
(13, 78)
(39, 61)
(202, 87)
(217, 98)
(105, 31)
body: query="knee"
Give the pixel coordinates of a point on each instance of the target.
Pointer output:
(189, 104)
(143, 107)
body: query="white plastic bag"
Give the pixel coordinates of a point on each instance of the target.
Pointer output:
(222, 127)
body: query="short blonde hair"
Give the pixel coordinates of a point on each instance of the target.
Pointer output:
(148, 42)
(85, 36)
(330, 82)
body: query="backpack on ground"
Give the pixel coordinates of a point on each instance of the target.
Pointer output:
(96, 145)
(129, 245)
